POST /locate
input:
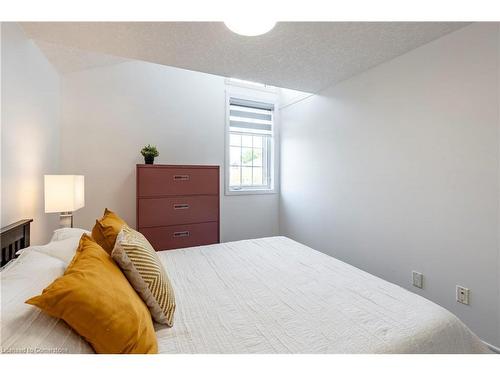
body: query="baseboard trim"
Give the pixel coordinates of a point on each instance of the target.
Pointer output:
(493, 348)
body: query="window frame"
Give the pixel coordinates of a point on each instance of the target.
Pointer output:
(258, 96)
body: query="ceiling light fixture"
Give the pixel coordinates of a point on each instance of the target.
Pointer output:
(249, 27)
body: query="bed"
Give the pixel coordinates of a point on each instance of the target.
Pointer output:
(267, 295)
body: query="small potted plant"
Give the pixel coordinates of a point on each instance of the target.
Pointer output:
(150, 153)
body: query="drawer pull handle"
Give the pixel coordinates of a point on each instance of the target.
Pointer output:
(181, 234)
(181, 206)
(181, 177)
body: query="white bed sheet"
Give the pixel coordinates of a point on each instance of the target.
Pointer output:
(274, 295)
(25, 328)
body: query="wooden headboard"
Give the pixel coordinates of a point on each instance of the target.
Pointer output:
(13, 238)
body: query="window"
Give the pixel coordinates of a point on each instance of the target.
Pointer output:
(250, 146)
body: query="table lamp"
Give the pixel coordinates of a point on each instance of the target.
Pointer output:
(64, 194)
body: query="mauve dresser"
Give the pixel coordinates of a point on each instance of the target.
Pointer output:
(178, 205)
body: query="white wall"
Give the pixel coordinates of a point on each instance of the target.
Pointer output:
(30, 131)
(498, 59)
(109, 113)
(397, 169)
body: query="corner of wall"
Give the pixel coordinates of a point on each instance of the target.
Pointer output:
(30, 117)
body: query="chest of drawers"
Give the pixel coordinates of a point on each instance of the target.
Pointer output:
(178, 206)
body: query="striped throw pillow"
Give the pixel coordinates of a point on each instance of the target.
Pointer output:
(143, 269)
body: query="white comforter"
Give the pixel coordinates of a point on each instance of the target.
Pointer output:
(274, 295)
(270, 295)
(25, 328)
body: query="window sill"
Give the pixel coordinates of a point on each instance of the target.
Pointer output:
(250, 192)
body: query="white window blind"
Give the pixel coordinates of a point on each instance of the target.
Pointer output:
(247, 116)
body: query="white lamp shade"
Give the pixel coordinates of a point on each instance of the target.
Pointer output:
(64, 193)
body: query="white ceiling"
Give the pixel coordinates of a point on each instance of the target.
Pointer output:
(69, 59)
(306, 56)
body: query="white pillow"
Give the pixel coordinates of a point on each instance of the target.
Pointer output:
(63, 233)
(62, 246)
(61, 249)
(25, 328)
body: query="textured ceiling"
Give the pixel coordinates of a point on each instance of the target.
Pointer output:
(303, 56)
(69, 59)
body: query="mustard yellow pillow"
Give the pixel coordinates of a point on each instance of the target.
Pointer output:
(106, 229)
(96, 300)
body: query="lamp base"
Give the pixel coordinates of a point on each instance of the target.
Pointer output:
(66, 220)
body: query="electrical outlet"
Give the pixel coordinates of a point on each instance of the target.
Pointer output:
(463, 295)
(418, 279)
